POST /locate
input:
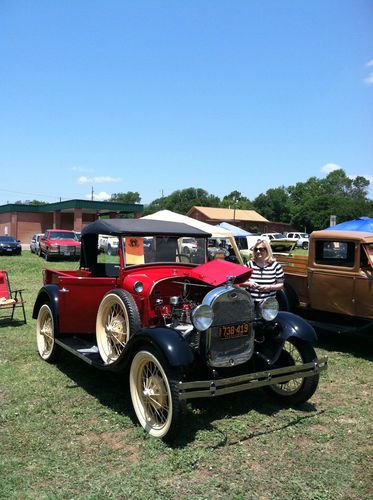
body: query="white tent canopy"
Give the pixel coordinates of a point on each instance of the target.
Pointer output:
(216, 232)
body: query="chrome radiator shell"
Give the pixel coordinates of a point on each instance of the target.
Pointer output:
(232, 306)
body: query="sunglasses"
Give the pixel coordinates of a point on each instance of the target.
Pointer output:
(260, 249)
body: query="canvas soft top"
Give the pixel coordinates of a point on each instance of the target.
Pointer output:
(142, 227)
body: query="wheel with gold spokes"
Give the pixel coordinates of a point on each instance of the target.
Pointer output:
(46, 333)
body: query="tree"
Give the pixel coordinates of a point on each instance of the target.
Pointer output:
(129, 197)
(183, 200)
(274, 204)
(235, 199)
(30, 202)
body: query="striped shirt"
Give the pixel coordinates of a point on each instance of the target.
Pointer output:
(270, 274)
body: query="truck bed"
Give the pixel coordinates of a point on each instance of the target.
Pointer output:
(293, 264)
(295, 269)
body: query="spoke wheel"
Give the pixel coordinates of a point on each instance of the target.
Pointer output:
(299, 390)
(117, 319)
(45, 333)
(154, 394)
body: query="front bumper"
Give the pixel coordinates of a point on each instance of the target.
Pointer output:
(218, 387)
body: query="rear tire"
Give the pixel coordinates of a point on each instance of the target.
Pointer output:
(46, 334)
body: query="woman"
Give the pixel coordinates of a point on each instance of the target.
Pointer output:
(268, 276)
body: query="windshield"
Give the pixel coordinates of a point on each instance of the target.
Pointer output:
(139, 250)
(303, 235)
(7, 239)
(62, 235)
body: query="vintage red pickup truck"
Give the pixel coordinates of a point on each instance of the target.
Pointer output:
(179, 325)
(333, 286)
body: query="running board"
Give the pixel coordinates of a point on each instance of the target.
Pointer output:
(83, 349)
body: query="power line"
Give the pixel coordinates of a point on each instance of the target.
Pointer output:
(38, 194)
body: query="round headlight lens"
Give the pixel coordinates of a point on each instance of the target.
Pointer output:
(138, 287)
(202, 317)
(269, 308)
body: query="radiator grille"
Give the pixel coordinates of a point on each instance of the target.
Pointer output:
(231, 306)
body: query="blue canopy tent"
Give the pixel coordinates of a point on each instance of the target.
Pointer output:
(236, 231)
(362, 224)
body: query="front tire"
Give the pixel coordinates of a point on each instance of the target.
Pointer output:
(46, 333)
(117, 320)
(299, 390)
(154, 394)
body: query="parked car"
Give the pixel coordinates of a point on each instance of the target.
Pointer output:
(108, 244)
(180, 330)
(35, 243)
(57, 243)
(10, 246)
(189, 246)
(279, 242)
(332, 286)
(301, 239)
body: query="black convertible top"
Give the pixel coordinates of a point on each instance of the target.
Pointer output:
(141, 227)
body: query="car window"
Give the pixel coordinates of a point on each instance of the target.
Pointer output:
(335, 253)
(367, 251)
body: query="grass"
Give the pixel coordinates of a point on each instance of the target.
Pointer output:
(68, 431)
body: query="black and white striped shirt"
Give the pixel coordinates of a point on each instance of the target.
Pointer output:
(270, 274)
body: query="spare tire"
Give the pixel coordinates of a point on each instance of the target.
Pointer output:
(117, 320)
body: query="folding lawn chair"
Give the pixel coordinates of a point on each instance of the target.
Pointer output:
(10, 299)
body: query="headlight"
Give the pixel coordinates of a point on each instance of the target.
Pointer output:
(269, 308)
(202, 317)
(138, 286)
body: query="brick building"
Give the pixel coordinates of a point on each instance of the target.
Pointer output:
(22, 221)
(249, 220)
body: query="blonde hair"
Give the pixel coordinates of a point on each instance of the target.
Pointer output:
(269, 257)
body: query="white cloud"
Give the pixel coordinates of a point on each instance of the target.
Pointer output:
(98, 180)
(369, 79)
(98, 197)
(330, 167)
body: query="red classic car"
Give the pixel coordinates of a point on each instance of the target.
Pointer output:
(182, 325)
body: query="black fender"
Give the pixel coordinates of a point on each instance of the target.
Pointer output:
(276, 332)
(168, 341)
(48, 293)
(292, 325)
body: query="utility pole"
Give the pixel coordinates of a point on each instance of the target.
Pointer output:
(92, 194)
(234, 209)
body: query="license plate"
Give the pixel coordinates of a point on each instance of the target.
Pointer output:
(232, 331)
(67, 254)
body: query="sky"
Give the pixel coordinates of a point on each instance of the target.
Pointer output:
(153, 96)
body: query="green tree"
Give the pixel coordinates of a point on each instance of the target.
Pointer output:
(129, 197)
(274, 204)
(236, 199)
(30, 202)
(183, 200)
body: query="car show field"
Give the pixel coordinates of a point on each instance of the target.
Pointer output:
(68, 430)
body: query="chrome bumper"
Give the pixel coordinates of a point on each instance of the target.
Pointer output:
(210, 388)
